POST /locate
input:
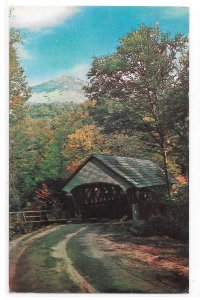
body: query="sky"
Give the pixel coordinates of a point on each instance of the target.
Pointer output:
(63, 40)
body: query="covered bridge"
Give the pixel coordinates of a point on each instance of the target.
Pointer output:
(111, 186)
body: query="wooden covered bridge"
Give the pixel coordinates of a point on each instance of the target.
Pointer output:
(111, 186)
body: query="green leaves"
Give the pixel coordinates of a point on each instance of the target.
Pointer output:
(138, 106)
(143, 86)
(19, 90)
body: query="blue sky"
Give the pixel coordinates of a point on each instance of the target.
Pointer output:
(63, 40)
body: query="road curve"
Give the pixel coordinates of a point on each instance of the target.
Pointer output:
(95, 258)
(18, 247)
(59, 251)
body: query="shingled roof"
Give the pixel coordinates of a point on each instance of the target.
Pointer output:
(141, 173)
(124, 171)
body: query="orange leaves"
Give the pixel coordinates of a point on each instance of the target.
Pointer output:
(84, 138)
(43, 193)
(73, 166)
(87, 139)
(83, 142)
(181, 179)
(42, 198)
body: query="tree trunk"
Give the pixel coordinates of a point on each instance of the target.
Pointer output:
(165, 167)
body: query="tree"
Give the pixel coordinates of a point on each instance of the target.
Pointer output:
(51, 165)
(30, 141)
(19, 91)
(133, 86)
(85, 141)
(121, 144)
(178, 141)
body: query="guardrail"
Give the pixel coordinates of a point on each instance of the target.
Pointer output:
(39, 216)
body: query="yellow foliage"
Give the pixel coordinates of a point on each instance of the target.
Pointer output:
(148, 119)
(85, 141)
(36, 127)
(84, 138)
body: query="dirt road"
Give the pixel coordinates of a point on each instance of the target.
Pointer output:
(97, 258)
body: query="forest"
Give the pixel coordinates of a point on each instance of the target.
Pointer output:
(137, 106)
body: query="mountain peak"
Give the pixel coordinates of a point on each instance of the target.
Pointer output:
(61, 89)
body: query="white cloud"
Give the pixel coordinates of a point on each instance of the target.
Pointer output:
(35, 18)
(23, 53)
(79, 71)
(175, 12)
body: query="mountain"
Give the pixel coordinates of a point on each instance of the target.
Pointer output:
(62, 89)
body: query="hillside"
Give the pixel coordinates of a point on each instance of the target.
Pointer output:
(60, 90)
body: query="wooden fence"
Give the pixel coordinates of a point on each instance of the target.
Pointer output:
(39, 216)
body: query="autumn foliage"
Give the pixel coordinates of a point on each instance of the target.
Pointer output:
(85, 141)
(132, 94)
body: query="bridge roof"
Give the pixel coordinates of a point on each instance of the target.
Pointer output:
(123, 171)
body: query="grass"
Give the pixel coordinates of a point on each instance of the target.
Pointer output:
(36, 270)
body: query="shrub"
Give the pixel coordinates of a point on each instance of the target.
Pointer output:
(174, 217)
(171, 219)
